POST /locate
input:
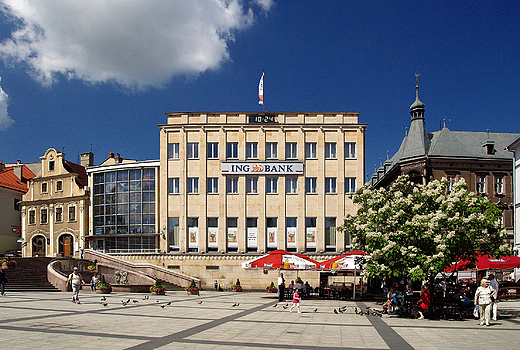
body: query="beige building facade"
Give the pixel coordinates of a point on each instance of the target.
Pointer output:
(236, 185)
(55, 208)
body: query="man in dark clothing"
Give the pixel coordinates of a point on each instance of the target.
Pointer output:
(3, 281)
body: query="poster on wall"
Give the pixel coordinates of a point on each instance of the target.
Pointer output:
(193, 237)
(252, 238)
(271, 237)
(213, 237)
(311, 237)
(291, 237)
(232, 241)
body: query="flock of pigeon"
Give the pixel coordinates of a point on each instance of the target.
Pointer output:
(146, 297)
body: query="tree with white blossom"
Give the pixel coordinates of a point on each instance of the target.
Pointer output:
(418, 231)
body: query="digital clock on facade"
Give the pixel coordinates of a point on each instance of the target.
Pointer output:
(261, 118)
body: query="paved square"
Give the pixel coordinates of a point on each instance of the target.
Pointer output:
(45, 320)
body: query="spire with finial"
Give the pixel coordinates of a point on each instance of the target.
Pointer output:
(417, 108)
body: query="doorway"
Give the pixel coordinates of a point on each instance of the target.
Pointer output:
(65, 245)
(38, 246)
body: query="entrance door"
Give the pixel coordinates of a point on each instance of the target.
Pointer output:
(38, 246)
(65, 243)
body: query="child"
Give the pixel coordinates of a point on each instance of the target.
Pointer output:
(296, 301)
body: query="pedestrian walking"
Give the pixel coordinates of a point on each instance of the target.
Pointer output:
(94, 281)
(281, 288)
(296, 301)
(494, 285)
(483, 300)
(3, 281)
(76, 281)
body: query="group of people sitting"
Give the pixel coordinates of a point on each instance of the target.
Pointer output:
(304, 288)
(396, 298)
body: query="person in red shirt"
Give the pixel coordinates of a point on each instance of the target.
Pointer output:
(424, 301)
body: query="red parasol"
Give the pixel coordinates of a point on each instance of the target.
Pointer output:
(281, 259)
(485, 262)
(345, 261)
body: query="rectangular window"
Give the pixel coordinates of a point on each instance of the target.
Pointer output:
(499, 184)
(271, 185)
(291, 150)
(252, 150)
(311, 150)
(173, 185)
(330, 233)
(232, 185)
(59, 186)
(252, 234)
(59, 214)
(43, 216)
(16, 204)
(291, 185)
(232, 150)
(350, 185)
(173, 151)
(51, 165)
(212, 227)
(44, 187)
(252, 185)
(72, 213)
(451, 181)
(193, 150)
(173, 234)
(212, 185)
(481, 184)
(291, 232)
(311, 185)
(32, 217)
(232, 234)
(330, 150)
(310, 234)
(330, 185)
(212, 150)
(350, 150)
(193, 185)
(271, 150)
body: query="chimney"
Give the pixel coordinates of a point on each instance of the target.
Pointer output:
(111, 155)
(119, 159)
(2, 166)
(17, 169)
(87, 159)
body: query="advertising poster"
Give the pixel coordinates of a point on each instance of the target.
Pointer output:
(291, 237)
(311, 237)
(232, 241)
(193, 237)
(213, 237)
(271, 237)
(252, 237)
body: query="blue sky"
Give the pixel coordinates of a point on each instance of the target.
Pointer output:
(84, 75)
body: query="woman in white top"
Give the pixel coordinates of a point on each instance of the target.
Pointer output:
(483, 300)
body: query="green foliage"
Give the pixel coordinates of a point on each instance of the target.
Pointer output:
(299, 280)
(418, 231)
(192, 286)
(102, 284)
(158, 287)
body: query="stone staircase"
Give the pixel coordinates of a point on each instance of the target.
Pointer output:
(29, 275)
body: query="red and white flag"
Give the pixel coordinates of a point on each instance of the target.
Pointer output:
(261, 90)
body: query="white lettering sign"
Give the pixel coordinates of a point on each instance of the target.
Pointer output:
(278, 168)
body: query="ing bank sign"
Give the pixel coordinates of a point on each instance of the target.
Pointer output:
(266, 168)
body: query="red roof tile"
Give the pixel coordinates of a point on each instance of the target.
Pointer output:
(9, 180)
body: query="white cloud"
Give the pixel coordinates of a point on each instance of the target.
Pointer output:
(5, 120)
(135, 43)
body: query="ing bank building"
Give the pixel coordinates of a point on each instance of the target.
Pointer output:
(246, 183)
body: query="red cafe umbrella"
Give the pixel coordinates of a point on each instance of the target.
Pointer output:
(485, 262)
(281, 259)
(345, 261)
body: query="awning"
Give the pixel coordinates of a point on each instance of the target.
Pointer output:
(345, 261)
(485, 262)
(281, 259)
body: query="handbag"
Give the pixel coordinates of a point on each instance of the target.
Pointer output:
(475, 311)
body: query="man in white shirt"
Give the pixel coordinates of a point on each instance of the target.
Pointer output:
(75, 280)
(281, 288)
(494, 285)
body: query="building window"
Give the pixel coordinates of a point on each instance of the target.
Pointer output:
(291, 150)
(43, 216)
(481, 184)
(193, 150)
(193, 185)
(252, 185)
(290, 233)
(252, 150)
(310, 233)
(193, 234)
(51, 165)
(252, 234)
(212, 185)
(311, 185)
(451, 181)
(232, 234)
(59, 186)
(350, 185)
(232, 150)
(232, 185)
(311, 150)
(59, 214)
(330, 234)
(271, 185)
(212, 228)
(174, 234)
(291, 185)
(350, 150)
(173, 151)
(271, 150)
(330, 150)
(44, 187)
(173, 185)
(32, 217)
(16, 204)
(212, 150)
(330, 185)
(72, 213)
(499, 184)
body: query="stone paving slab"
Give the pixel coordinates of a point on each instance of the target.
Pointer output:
(45, 320)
